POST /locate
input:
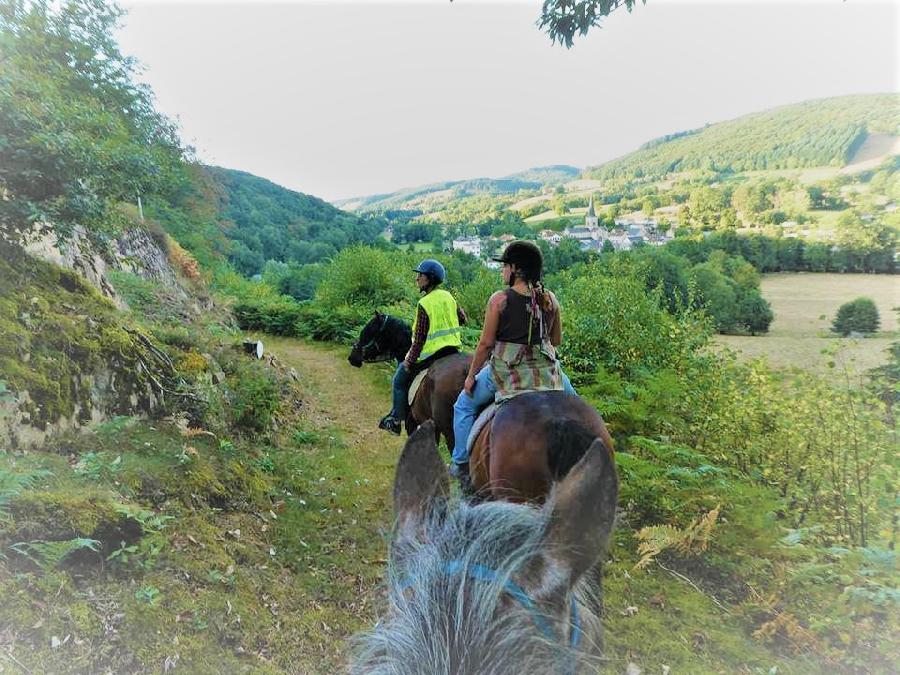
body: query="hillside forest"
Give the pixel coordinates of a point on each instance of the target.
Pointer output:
(170, 503)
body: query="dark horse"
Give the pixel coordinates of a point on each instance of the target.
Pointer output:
(386, 338)
(497, 588)
(533, 441)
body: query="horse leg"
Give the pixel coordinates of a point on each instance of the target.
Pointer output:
(443, 420)
(419, 411)
(480, 466)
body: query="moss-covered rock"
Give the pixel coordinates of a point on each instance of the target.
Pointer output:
(65, 355)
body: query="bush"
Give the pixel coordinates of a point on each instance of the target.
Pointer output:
(857, 316)
(256, 399)
(276, 317)
(614, 323)
(474, 295)
(367, 278)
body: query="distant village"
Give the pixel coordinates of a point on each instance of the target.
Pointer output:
(629, 231)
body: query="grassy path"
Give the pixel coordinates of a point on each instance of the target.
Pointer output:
(352, 400)
(346, 471)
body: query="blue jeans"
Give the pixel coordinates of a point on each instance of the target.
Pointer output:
(467, 408)
(402, 379)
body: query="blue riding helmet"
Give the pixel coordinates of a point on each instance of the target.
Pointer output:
(433, 269)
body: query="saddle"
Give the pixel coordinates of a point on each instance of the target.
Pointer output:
(414, 386)
(484, 418)
(420, 376)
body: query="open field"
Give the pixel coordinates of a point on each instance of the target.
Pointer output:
(804, 306)
(806, 176)
(805, 303)
(807, 353)
(874, 150)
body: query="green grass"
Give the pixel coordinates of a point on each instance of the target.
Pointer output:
(239, 556)
(266, 556)
(805, 305)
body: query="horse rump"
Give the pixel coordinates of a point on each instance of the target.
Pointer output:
(567, 442)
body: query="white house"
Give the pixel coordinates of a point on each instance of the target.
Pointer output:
(621, 242)
(468, 245)
(551, 237)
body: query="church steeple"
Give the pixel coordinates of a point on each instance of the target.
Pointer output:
(590, 218)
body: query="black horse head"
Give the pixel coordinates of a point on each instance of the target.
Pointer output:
(382, 338)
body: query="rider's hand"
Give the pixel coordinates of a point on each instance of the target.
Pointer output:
(469, 384)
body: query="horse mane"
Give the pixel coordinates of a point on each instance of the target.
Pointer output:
(457, 625)
(567, 442)
(399, 324)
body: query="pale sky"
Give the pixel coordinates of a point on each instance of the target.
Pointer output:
(343, 99)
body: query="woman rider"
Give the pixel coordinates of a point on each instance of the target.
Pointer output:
(522, 328)
(435, 330)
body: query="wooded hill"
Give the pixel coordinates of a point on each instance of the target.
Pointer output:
(271, 222)
(423, 196)
(823, 132)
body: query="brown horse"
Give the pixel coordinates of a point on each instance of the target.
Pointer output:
(532, 442)
(386, 338)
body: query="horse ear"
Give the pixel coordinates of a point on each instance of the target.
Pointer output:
(421, 480)
(377, 314)
(582, 512)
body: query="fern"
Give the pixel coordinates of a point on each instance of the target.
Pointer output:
(12, 485)
(149, 521)
(48, 554)
(692, 539)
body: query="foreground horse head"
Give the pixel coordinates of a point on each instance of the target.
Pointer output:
(382, 338)
(494, 588)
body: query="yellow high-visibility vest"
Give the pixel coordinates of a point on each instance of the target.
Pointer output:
(443, 323)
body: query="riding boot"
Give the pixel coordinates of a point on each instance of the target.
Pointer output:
(458, 470)
(391, 424)
(461, 473)
(465, 482)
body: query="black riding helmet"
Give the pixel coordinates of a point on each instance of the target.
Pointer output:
(526, 256)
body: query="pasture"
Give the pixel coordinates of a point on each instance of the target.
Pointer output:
(804, 306)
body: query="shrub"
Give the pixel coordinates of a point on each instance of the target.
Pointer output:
(255, 401)
(614, 323)
(856, 316)
(277, 317)
(183, 261)
(473, 296)
(368, 278)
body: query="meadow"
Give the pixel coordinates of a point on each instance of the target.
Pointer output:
(804, 306)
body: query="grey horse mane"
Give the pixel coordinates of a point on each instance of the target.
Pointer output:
(447, 624)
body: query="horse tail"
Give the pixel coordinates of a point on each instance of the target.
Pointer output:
(567, 441)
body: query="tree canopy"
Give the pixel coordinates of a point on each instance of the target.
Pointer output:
(562, 19)
(77, 134)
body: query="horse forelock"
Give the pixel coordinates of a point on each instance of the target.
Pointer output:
(457, 624)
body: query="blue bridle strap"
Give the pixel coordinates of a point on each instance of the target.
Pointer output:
(482, 573)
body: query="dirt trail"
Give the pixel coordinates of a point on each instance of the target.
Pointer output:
(351, 400)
